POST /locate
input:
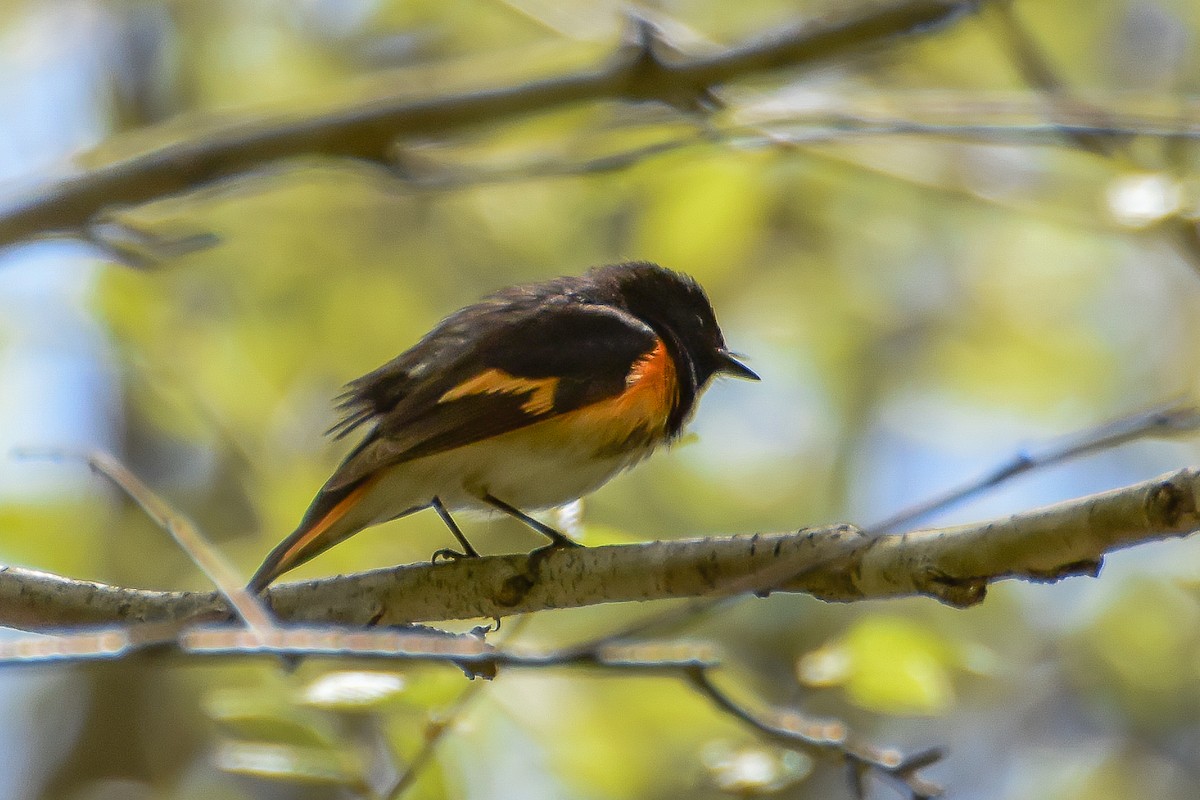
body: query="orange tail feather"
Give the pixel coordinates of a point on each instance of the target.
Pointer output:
(307, 540)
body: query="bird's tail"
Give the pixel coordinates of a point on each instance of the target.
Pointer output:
(327, 522)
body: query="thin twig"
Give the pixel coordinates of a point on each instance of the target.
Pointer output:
(799, 132)
(1169, 420)
(1031, 60)
(794, 730)
(437, 729)
(1035, 67)
(1044, 133)
(208, 558)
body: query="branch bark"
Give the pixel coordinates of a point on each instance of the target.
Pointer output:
(369, 131)
(840, 563)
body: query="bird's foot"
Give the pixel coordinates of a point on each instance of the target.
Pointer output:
(449, 554)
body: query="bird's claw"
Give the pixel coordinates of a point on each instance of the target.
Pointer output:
(448, 554)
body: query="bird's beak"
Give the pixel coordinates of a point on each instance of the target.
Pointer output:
(729, 365)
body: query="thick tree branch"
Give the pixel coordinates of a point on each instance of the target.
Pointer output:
(370, 130)
(839, 563)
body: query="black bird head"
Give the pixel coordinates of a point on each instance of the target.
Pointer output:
(679, 311)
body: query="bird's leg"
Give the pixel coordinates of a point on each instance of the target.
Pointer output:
(446, 552)
(557, 538)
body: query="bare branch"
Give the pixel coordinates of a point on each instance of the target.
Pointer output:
(369, 131)
(839, 563)
(140, 249)
(435, 732)
(1035, 67)
(793, 730)
(210, 560)
(438, 728)
(799, 131)
(1163, 421)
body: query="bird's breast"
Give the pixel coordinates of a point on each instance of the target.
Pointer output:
(635, 418)
(554, 461)
(541, 466)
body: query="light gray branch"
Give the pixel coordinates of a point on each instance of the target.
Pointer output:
(838, 563)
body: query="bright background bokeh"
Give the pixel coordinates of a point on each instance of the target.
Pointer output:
(920, 308)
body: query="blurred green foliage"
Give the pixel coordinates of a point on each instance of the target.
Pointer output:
(887, 664)
(919, 307)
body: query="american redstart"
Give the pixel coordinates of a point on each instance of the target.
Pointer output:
(527, 400)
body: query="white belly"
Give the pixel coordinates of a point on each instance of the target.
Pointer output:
(520, 468)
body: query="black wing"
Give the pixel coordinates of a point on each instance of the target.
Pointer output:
(488, 370)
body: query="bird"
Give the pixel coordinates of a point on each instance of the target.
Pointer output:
(527, 400)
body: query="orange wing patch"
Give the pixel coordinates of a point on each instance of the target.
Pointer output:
(635, 418)
(497, 381)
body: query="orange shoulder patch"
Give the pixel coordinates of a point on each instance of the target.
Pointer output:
(497, 381)
(637, 417)
(651, 388)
